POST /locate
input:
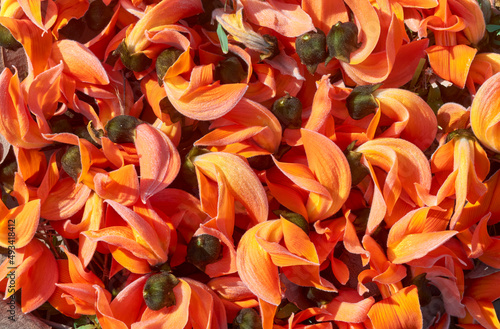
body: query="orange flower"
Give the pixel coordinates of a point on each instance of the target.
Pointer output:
(326, 178)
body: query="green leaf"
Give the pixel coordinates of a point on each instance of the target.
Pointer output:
(222, 39)
(492, 27)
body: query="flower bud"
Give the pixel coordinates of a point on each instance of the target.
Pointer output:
(121, 129)
(158, 291)
(361, 102)
(295, 218)
(311, 48)
(165, 60)
(203, 249)
(71, 162)
(320, 297)
(342, 40)
(247, 318)
(188, 170)
(288, 110)
(7, 40)
(230, 70)
(136, 62)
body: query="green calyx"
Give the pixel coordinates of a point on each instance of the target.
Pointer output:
(342, 40)
(158, 291)
(72, 162)
(165, 60)
(247, 318)
(273, 48)
(121, 129)
(311, 48)
(7, 40)
(167, 107)
(203, 249)
(136, 62)
(358, 170)
(295, 218)
(288, 110)
(461, 133)
(361, 102)
(230, 70)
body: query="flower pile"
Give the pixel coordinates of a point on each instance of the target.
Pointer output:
(251, 164)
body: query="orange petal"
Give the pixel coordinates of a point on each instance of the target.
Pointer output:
(348, 306)
(255, 266)
(104, 312)
(484, 117)
(19, 225)
(65, 200)
(121, 185)
(325, 14)
(200, 99)
(401, 310)
(158, 170)
(414, 246)
(285, 18)
(127, 305)
(242, 181)
(79, 62)
(330, 166)
(451, 63)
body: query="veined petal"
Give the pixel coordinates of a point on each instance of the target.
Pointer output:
(79, 62)
(255, 266)
(65, 199)
(200, 98)
(401, 310)
(158, 170)
(348, 306)
(451, 63)
(242, 181)
(285, 18)
(121, 185)
(329, 165)
(21, 222)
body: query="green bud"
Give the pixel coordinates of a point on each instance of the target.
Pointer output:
(203, 249)
(358, 170)
(136, 62)
(247, 318)
(295, 218)
(167, 107)
(361, 220)
(342, 40)
(461, 133)
(158, 291)
(288, 110)
(165, 60)
(121, 129)
(71, 162)
(98, 15)
(230, 70)
(273, 48)
(82, 132)
(60, 124)
(311, 48)
(7, 40)
(320, 297)
(361, 102)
